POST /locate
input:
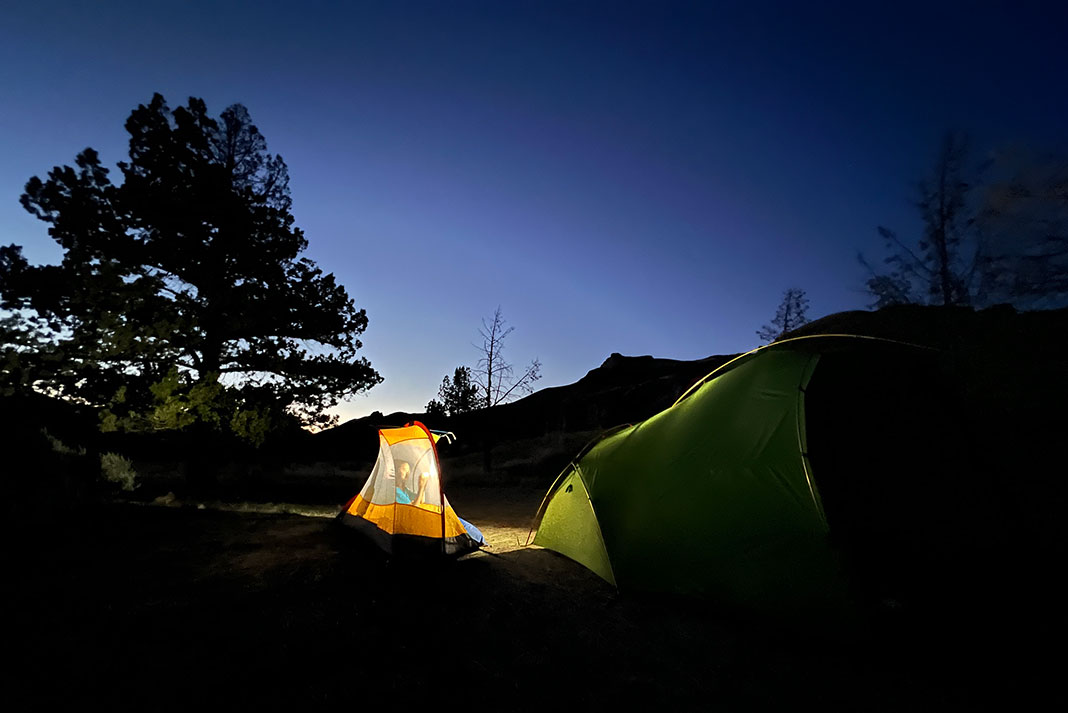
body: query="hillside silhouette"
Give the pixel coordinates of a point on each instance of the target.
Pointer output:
(1009, 366)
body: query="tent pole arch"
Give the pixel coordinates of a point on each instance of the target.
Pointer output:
(802, 438)
(728, 365)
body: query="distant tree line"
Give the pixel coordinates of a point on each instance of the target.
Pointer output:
(492, 381)
(791, 314)
(994, 232)
(456, 395)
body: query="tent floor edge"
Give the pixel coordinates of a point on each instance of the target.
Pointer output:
(414, 546)
(376, 535)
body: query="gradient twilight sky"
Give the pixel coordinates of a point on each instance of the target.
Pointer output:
(635, 177)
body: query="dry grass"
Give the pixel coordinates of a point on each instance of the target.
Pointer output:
(178, 607)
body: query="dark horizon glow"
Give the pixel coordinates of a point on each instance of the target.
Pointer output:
(643, 178)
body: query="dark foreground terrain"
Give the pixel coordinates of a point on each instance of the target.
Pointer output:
(128, 606)
(162, 605)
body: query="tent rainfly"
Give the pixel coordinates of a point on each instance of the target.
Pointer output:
(402, 507)
(724, 493)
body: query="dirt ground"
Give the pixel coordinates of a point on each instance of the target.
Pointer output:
(129, 606)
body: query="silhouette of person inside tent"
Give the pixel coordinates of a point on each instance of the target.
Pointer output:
(406, 491)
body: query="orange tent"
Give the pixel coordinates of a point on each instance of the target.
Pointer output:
(402, 507)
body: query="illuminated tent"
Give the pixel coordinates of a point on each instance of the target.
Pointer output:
(770, 478)
(402, 507)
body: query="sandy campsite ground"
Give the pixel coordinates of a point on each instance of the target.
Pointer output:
(166, 608)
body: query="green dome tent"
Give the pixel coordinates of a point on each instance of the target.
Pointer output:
(768, 476)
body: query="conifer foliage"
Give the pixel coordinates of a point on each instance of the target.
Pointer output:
(184, 283)
(790, 315)
(456, 395)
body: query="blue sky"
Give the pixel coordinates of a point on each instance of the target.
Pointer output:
(643, 178)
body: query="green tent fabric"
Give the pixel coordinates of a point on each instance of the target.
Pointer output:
(716, 495)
